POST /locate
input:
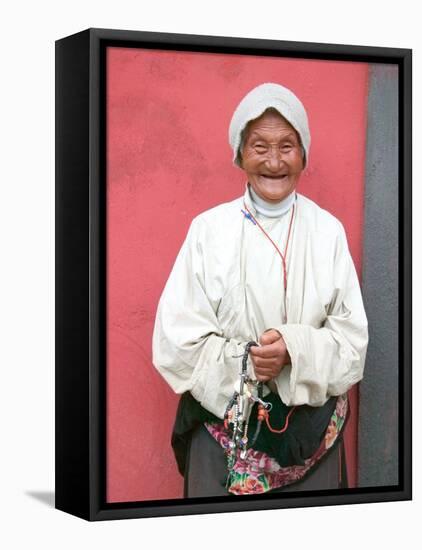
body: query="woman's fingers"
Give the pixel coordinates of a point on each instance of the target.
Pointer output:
(270, 350)
(269, 337)
(266, 363)
(267, 371)
(269, 359)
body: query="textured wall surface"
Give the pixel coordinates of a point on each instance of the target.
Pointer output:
(168, 159)
(378, 425)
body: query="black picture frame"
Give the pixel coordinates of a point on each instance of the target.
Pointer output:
(80, 272)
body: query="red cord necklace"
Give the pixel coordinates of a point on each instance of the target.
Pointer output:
(282, 256)
(263, 413)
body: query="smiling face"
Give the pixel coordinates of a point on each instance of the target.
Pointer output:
(272, 156)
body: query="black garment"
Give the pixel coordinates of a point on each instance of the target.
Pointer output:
(307, 426)
(190, 415)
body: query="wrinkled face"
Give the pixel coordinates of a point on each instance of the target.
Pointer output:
(272, 157)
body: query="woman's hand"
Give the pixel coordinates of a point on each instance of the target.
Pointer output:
(270, 358)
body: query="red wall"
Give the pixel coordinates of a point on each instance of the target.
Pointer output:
(168, 159)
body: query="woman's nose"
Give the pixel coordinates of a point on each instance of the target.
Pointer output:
(274, 160)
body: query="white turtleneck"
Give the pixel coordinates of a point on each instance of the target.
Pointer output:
(271, 210)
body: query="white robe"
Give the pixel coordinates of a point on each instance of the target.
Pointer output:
(226, 288)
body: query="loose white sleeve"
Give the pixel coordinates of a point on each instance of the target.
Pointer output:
(189, 349)
(327, 361)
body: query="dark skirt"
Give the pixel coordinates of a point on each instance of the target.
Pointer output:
(206, 469)
(202, 462)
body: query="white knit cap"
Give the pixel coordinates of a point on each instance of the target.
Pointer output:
(257, 101)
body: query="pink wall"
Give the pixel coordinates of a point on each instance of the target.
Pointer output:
(168, 159)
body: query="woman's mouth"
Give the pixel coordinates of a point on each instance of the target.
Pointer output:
(274, 177)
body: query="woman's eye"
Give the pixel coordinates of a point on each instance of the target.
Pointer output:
(260, 148)
(286, 147)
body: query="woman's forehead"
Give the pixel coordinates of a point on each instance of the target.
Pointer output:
(269, 122)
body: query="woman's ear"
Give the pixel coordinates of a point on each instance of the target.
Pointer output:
(239, 159)
(303, 156)
(243, 137)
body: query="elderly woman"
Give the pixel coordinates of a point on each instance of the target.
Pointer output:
(261, 324)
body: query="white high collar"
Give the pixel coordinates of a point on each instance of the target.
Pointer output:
(271, 210)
